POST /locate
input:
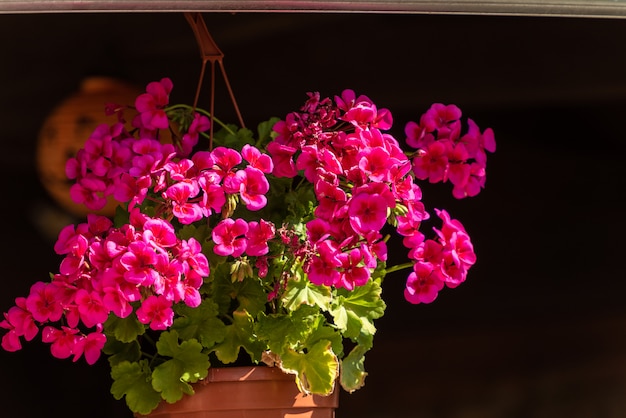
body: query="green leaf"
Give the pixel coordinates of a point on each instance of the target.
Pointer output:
(239, 334)
(235, 139)
(352, 366)
(119, 351)
(200, 323)
(316, 370)
(321, 330)
(124, 329)
(264, 130)
(187, 365)
(133, 381)
(301, 291)
(301, 204)
(121, 216)
(282, 332)
(354, 311)
(249, 293)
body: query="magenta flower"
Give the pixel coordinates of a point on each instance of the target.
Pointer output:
(180, 195)
(10, 340)
(20, 323)
(90, 192)
(282, 156)
(70, 242)
(444, 119)
(258, 235)
(159, 233)
(431, 163)
(117, 300)
(317, 230)
(89, 346)
(331, 200)
(90, 307)
(367, 212)
(156, 311)
(61, 341)
(189, 140)
(423, 284)
(353, 271)
(252, 187)
(213, 196)
(228, 239)
(256, 159)
(138, 264)
(43, 302)
(226, 159)
(376, 163)
(150, 105)
(323, 268)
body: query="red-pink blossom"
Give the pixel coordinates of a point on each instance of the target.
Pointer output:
(138, 262)
(90, 346)
(367, 212)
(258, 235)
(180, 195)
(257, 159)
(252, 187)
(90, 307)
(61, 341)
(43, 302)
(423, 284)
(353, 271)
(228, 237)
(444, 119)
(282, 156)
(431, 163)
(156, 311)
(150, 105)
(323, 267)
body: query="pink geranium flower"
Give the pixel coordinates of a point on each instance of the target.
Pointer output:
(150, 105)
(423, 284)
(156, 311)
(43, 302)
(228, 237)
(367, 212)
(61, 341)
(89, 346)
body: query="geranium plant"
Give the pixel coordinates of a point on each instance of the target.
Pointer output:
(266, 247)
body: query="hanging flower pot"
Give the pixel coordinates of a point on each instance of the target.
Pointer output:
(229, 244)
(248, 392)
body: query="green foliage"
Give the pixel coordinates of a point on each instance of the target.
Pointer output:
(240, 334)
(300, 291)
(133, 381)
(124, 329)
(186, 365)
(316, 370)
(234, 137)
(354, 311)
(201, 324)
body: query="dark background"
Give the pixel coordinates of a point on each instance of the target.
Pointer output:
(538, 328)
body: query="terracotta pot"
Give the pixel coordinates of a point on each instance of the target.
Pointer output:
(249, 392)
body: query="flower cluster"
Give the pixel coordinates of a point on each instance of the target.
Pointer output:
(274, 246)
(363, 179)
(445, 154)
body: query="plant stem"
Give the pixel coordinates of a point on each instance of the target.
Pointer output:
(202, 111)
(399, 267)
